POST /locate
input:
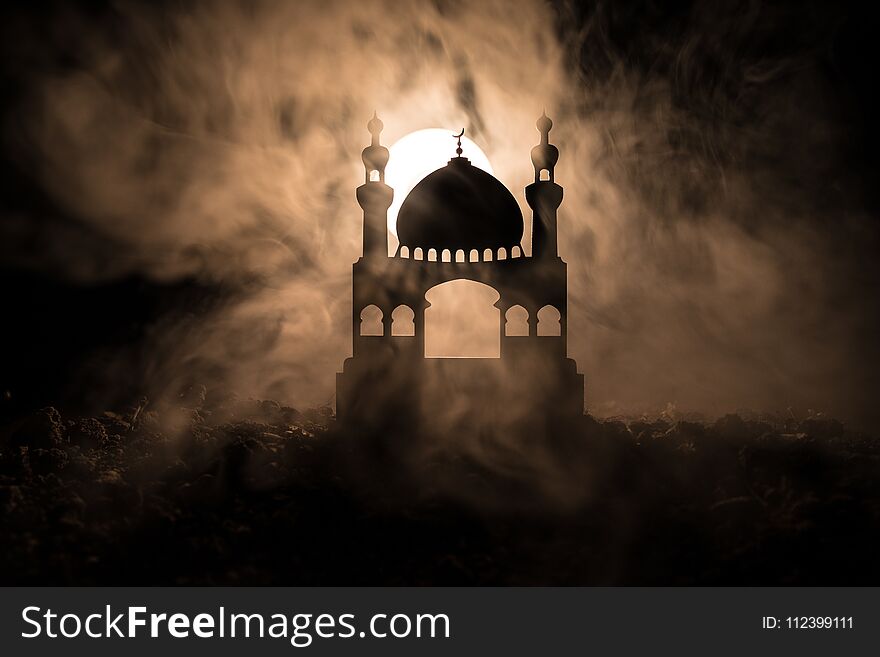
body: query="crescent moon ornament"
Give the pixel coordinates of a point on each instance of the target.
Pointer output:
(459, 136)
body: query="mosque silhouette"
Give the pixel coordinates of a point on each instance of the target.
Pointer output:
(459, 222)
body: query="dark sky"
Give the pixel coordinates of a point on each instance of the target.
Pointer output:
(760, 113)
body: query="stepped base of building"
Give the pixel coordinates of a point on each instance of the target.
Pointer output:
(453, 394)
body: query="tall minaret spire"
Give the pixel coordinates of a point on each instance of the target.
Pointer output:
(375, 156)
(374, 196)
(544, 196)
(544, 155)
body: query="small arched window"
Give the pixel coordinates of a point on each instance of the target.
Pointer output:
(374, 175)
(402, 321)
(404, 252)
(502, 253)
(515, 252)
(446, 255)
(418, 254)
(371, 321)
(487, 255)
(516, 321)
(475, 255)
(549, 321)
(544, 174)
(459, 255)
(432, 255)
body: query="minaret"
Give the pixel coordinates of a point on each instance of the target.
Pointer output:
(374, 196)
(544, 196)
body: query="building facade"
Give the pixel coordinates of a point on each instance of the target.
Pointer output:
(459, 222)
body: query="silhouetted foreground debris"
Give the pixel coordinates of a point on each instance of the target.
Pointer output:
(251, 492)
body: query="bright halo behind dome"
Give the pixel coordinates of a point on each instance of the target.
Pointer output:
(420, 153)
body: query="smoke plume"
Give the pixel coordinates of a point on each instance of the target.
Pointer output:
(715, 244)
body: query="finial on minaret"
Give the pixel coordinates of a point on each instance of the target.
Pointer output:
(544, 155)
(375, 156)
(375, 127)
(544, 124)
(458, 137)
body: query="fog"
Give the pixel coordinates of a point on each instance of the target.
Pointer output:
(715, 242)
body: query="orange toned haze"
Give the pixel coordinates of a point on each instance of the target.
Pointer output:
(222, 141)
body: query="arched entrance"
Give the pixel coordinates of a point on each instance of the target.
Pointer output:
(462, 321)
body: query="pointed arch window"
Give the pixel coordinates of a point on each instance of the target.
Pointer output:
(403, 322)
(516, 322)
(549, 322)
(371, 321)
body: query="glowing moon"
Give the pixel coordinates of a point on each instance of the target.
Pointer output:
(419, 153)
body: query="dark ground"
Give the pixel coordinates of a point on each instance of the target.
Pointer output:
(253, 493)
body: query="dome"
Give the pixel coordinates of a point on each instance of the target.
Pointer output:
(459, 207)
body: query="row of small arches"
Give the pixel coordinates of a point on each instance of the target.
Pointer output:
(446, 255)
(516, 321)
